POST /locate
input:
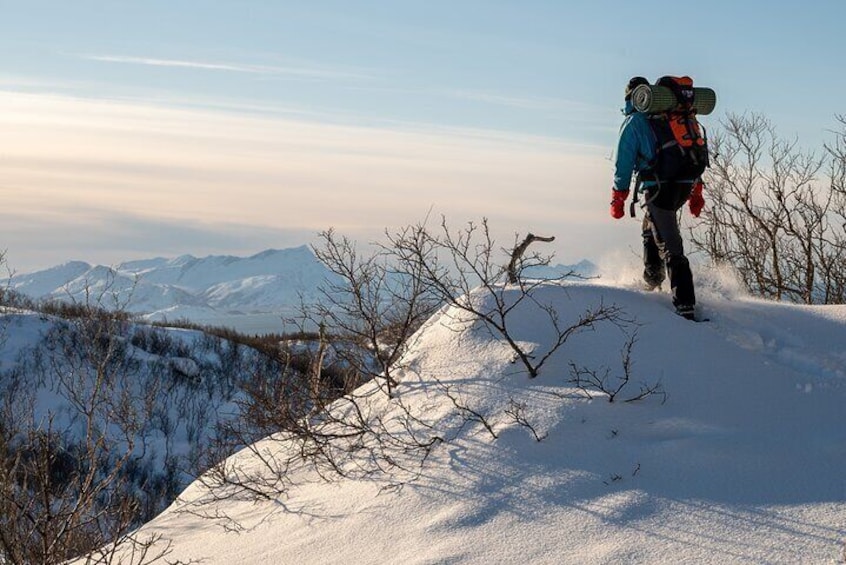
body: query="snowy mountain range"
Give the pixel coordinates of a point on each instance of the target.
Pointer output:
(185, 286)
(217, 287)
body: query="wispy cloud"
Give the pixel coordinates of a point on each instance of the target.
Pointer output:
(314, 73)
(179, 166)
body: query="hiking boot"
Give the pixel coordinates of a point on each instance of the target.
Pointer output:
(686, 311)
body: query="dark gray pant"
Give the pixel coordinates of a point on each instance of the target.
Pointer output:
(663, 247)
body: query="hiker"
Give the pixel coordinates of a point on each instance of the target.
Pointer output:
(663, 250)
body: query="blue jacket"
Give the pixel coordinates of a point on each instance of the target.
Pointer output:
(635, 148)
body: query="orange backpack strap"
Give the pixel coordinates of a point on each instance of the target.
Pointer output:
(686, 129)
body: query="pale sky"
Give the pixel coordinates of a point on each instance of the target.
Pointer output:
(158, 128)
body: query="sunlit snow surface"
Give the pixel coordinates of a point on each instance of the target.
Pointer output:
(743, 463)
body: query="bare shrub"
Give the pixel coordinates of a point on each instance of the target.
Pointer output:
(771, 218)
(369, 311)
(603, 382)
(461, 268)
(64, 491)
(366, 322)
(89, 417)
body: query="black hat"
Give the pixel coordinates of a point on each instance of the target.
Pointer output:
(634, 82)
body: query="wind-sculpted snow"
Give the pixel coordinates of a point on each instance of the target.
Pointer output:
(738, 462)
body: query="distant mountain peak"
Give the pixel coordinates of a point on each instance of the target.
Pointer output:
(268, 281)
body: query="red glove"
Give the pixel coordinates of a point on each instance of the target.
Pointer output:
(618, 201)
(696, 201)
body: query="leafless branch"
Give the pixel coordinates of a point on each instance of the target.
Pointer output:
(517, 255)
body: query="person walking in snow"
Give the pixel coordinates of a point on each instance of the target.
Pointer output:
(663, 249)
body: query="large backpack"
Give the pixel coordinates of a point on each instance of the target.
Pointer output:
(681, 150)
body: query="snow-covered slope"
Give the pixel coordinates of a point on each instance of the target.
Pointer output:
(742, 462)
(186, 286)
(174, 387)
(50, 280)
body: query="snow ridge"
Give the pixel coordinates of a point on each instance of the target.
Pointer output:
(742, 462)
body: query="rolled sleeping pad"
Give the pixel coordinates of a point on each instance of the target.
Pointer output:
(653, 99)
